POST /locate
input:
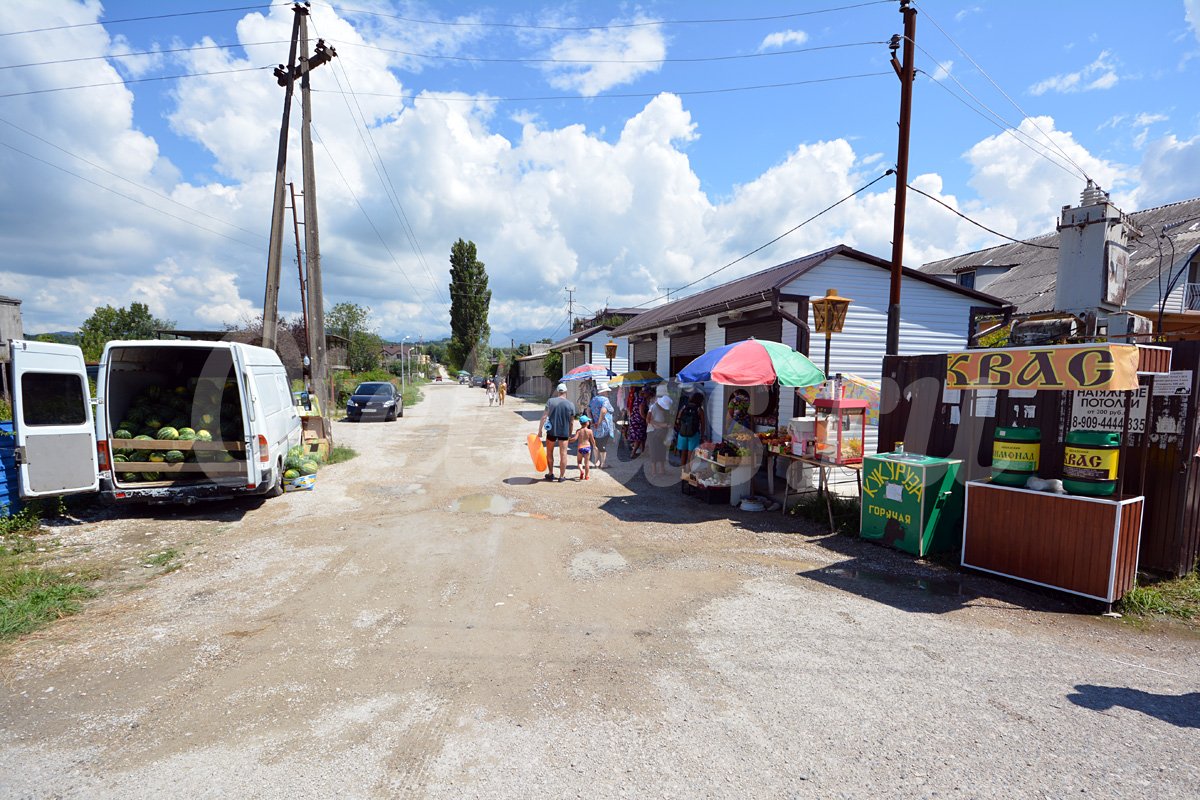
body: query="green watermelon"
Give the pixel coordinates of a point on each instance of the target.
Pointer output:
(207, 420)
(156, 457)
(224, 456)
(127, 425)
(144, 437)
(151, 476)
(119, 459)
(202, 436)
(167, 432)
(122, 433)
(291, 475)
(174, 457)
(154, 423)
(309, 467)
(187, 434)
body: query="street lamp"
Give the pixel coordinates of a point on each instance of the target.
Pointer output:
(829, 314)
(402, 341)
(610, 350)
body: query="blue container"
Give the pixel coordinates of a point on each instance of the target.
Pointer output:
(10, 491)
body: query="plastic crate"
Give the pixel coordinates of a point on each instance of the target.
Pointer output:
(10, 490)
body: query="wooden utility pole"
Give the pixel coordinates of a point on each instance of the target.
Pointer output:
(303, 282)
(906, 73)
(285, 77)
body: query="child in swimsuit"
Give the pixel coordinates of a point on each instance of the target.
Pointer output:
(584, 440)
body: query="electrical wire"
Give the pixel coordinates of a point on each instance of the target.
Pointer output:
(761, 247)
(127, 180)
(142, 19)
(136, 80)
(980, 224)
(681, 60)
(614, 95)
(138, 53)
(1005, 94)
(385, 178)
(130, 199)
(611, 26)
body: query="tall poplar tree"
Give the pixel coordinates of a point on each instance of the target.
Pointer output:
(469, 301)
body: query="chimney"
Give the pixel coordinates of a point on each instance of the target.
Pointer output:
(1093, 255)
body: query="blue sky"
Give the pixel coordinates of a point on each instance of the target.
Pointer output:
(615, 147)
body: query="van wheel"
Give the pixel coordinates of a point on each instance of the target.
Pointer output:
(277, 487)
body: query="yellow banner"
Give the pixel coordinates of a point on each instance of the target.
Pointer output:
(1111, 367)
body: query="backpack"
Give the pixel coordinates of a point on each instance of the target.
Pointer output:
(689, 421)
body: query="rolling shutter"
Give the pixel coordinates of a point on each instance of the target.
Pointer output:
(684, 348)
(645, 355)
(770, 330)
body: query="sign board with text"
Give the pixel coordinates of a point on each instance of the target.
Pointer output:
(1105, 411)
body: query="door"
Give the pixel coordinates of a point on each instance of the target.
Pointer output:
(52, 419)
(253, 423)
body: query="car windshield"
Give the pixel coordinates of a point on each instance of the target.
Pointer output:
(373, 389)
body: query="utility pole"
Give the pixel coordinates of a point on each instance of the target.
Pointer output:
(303, 283)
(570, 309)
(906, 73)
(275, 248)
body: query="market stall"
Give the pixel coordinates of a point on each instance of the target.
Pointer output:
(1051, 500)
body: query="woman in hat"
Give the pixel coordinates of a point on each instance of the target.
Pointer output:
(600, 409)
(658, 427)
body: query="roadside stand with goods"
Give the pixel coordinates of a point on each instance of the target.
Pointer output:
(723, 471)
(1042, 452)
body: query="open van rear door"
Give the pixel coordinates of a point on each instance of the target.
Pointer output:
(52, 419)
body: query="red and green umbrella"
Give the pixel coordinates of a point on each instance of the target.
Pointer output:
(753, 362)
(593, 372)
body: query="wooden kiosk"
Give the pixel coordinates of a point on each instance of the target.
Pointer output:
(1078, 543)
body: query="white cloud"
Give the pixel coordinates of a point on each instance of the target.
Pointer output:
(135, 66)
(606, 58)
(962, 14)
(1191, 12)
(779, 39)
(1170, 171)
(1143, 119)
(1100, 74)
(943, 70)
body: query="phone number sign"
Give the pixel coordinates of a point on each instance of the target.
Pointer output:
(1105, 411)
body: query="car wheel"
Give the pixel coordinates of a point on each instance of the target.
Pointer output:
(277, 487)
(400, 411)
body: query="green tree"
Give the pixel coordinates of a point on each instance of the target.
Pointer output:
(107, 323)
(552, 366)
(353, 323)
(469, 301)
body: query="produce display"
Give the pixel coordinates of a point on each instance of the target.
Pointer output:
(199, 421)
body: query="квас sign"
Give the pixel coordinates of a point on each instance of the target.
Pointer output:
(1111, 367)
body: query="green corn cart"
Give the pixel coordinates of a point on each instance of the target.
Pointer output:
(912, 502)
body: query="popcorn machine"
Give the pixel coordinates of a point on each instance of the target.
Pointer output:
(841, 429)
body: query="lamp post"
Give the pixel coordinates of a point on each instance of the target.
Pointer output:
(829, 314)
(610, 350)
(402, 341)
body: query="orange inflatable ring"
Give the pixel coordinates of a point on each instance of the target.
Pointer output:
(537, 452)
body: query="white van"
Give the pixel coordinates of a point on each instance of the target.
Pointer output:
(175, 421)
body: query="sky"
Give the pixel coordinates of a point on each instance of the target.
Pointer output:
(618, 149)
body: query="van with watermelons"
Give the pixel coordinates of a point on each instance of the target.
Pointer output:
(172, 421)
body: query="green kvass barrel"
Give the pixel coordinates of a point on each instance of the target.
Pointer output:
(1090, 462)
(1015, 453)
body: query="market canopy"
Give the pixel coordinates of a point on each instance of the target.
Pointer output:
(593, 372)
(639, 377)
(463, 372)
(1090, 367)
(753, 362)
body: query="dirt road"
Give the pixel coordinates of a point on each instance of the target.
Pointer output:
(434, 622)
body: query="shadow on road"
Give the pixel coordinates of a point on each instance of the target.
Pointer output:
(530, 415)
(521, 481)
(1181, 710)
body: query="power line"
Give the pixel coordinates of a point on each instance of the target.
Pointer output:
(135, 54)
(136, 80)
(828, 208)
(680, 60)
(617, 95)
(980, 224)
(127, 197)
(611, 26)
(1005, 94)
(123, 178)
(143, 19)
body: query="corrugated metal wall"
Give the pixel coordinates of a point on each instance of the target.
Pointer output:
(10, 490)
(770, 330)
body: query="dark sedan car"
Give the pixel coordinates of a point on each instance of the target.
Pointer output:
(375, 400)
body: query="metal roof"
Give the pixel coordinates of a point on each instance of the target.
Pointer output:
(579, 336)
(758, 287)
(1033, 271)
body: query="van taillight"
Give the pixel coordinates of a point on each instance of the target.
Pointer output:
(263, 455)
(102, 453)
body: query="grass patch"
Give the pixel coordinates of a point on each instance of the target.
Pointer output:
(412, 393)
(31, 596)
(340, 454)
(1178, 598)
(167, 559)
(811, 506)
(27, 520)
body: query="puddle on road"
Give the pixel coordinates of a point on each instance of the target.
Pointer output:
(942, 587)
(484, 504)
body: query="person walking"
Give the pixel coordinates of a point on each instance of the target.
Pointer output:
(491, 392)
(603, 425)
(637, 422)
(658, 428)
(502, 389)
(689, 427)
(558, 423)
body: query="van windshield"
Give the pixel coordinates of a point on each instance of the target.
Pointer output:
(372, 388)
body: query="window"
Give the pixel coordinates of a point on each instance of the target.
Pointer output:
(53, 399)
(967, 279)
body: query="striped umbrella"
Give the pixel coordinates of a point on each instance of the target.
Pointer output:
(753, 362)
(639, 377)
(586, 372)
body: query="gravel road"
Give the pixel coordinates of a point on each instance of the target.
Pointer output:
(432, 621)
